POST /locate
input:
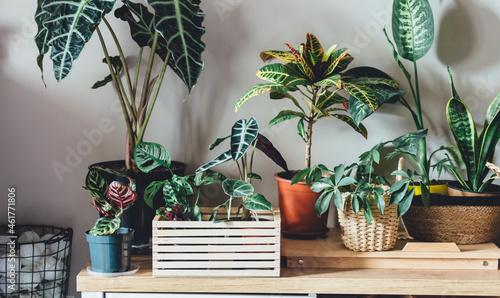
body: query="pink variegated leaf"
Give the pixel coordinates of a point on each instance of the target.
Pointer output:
(121, 194)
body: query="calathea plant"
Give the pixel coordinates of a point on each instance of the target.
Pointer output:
(172, 31)
(244, 139)
(316, 76)
(109, 199)
(476, 150)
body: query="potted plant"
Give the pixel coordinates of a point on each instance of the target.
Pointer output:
(473, 202)
(317, 75)
(110, 244)
(167, 33)
(183, 228)
(367, 220)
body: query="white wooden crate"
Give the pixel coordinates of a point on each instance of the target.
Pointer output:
(224, 249)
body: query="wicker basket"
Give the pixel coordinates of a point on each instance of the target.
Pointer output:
(453, 223)
(358, 235)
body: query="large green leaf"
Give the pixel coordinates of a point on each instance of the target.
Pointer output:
(180, 23)
(149, 156)
(151, 191)
(257, 202)
(409, 143)
(243, 135)
(142, 28)
(487, 144)
(254, 91)
(237, 188)
(276, 73)
(66, 26)
(285, 115)
(222, 158)
(314, 46)
(464, 131)
(363, 93)
(412, 28)
(105, 226)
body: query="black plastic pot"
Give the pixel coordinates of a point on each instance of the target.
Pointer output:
(140, 216)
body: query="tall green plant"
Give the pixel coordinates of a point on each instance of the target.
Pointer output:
(172, 31)
(476, 150)
(317, 76)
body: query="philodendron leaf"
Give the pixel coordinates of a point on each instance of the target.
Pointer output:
(412, 28)
(257, 202)
(243, 135)
(105, 226)
(149, 156)
(66, 26)
(237, 188)
(179, 22)
(216, 161)
(121, 194)
(264, 145)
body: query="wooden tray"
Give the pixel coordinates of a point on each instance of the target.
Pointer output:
(331, 253)
(207, 249)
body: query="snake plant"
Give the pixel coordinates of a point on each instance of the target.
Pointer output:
(171, 29)
(476, 149)
(316, 75)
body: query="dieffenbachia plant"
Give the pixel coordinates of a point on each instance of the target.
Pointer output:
(172, 29)
(316, 75)
(475, 150)
(109, 199)
(244, 139)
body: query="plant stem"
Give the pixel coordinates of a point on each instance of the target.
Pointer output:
(137, 69)
(130, 131)
(145, 88)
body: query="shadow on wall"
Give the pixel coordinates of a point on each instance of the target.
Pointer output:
(468, 33)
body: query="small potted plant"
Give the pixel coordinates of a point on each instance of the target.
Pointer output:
(316, 75)
(473, 200)
(110, 244)
(368, 220)
(168, 34)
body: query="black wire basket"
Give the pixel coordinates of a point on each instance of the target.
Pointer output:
(35, 261)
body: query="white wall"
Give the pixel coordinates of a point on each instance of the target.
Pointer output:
(39, 126)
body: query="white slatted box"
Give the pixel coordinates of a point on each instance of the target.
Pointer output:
(224, 249)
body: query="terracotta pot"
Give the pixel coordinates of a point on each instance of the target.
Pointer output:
(296, 203)
(140, 216)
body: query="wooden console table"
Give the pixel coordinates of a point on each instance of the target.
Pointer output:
(300, 280)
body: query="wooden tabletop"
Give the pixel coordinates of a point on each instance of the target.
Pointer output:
(306, 280)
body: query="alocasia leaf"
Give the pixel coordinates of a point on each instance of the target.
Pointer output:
(237, 188)
(243, 135)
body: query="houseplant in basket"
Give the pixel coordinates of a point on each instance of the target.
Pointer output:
(316, 75)
(472, 202)
(109, 244)
(167, 34)
(193, 241)
(366, 220)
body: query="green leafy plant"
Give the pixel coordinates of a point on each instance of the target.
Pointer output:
(109, 199)
(317, 76)
(413, 35)
(364, 187)
(476, 150)
(172, 30)
(244, 139)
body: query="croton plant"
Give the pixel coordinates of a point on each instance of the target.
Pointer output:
(110, 199)
(317, 76)
(172, 31)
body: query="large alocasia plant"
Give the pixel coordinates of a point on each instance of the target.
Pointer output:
(109, 199)
(476, 150)
(317, 75)
(171, 29)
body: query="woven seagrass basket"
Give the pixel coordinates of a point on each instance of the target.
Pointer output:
(358, 235)
(463, 220)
